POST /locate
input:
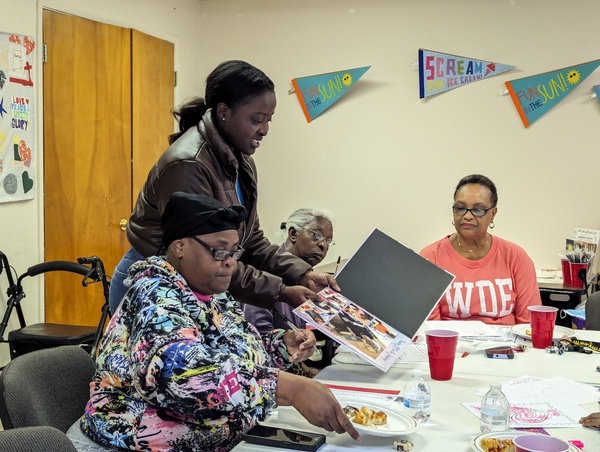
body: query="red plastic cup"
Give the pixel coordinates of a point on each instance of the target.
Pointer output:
(542, 325)
(576, 281)
(441, 348)
(566, 271)
(540, 443)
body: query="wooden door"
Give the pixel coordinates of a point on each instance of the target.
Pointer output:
(108, 93)
(87, 156)
(152, 100)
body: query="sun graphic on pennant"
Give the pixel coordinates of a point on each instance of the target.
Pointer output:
(573, 77)
(347, 79)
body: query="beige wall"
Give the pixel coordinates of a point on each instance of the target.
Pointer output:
(381, 157)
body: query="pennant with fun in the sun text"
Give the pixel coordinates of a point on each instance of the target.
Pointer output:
(597, 91)
(536, 95)
(439, 72)
(319, 92)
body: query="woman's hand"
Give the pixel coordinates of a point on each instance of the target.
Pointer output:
(315, 402)
(296, 295)
(318, 281)
(593, 420)
(300, 344)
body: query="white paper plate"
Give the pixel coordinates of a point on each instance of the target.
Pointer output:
(559, 331)
(398, 422)
(476, 442)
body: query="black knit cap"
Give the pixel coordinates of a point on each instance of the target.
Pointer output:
(188, 214)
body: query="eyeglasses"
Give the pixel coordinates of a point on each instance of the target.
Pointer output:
(476, 211)
(221, 255)
(318, 237)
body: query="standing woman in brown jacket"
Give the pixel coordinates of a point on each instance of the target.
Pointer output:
(212, 155)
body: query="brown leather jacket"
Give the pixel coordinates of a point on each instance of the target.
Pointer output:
(201, 162)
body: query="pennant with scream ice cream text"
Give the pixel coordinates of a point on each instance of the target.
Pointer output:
(536, 95)
(439, 72)
(317, 93)
(597, 91)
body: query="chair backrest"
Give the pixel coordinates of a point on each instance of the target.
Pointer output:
(39, 439)
(46, 387)
(592, 312)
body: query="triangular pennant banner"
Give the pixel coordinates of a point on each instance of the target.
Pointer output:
(319, 92)
(439, 72)
(536, 95)
(597, 91)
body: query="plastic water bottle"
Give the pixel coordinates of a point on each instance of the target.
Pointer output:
(495, 410)
(417, 397)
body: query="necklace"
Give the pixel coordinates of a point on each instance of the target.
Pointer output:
(472, 251)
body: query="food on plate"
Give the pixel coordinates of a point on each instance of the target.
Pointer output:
(403, 445)
(497, 445)
(365, 416)
(528, 332)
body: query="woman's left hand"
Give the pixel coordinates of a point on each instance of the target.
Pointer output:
(318, 281)
(300, 344)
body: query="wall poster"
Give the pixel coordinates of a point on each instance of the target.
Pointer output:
(536, 95)
(317, 93)
(17, 118)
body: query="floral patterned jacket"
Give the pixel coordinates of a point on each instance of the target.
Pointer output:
(179, 371)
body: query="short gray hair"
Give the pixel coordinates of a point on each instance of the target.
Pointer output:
(303, 218)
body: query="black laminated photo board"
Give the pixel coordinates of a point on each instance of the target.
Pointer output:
(393, 282)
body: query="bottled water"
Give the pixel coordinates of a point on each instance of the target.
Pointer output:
(417, 397)
(495, 410)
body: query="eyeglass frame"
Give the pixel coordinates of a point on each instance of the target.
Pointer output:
(235, 255)
(319, 237)
(472, 210)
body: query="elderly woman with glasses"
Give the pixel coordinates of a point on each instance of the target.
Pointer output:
(495, 279)
(308, 234)
(179, 368)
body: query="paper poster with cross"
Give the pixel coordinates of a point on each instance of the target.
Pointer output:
(17, 114)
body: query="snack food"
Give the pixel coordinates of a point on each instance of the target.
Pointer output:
(497, 445)
(528, 332)
(365, 416)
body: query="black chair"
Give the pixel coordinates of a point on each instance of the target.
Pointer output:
(45, 335)
(592, 312)
(46, 387)
(38, 439)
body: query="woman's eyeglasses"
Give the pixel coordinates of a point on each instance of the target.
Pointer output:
(318, 237)
(221, 255)
(475, 211)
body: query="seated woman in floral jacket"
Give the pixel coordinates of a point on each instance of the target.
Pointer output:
(179, 367)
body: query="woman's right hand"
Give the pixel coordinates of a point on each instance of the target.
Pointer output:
(296, 295)
(593, 420)
(315, 402)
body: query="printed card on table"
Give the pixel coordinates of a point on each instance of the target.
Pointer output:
(539, 413)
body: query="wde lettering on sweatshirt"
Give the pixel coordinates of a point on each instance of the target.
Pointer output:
(496, 289)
